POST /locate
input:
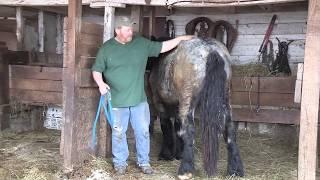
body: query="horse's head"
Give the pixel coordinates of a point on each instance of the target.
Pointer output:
(283, 45)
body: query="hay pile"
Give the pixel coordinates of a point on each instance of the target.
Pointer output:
(35, 156)
(264, 158)
(250, 70)
(29, 156)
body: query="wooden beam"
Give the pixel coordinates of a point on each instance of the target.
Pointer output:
(298, 85)
(4, 79)
(20, 28)
(137, 15)
(70, 151)
(39, 2)
(58, 10)
(310, 96)
(266, 115)
(203, 3)
(108, 24)
(140, 2)
(225, 3)
(103, 3)
(152, 21)
(41, 30)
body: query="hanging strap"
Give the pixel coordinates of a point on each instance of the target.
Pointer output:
(107, 109)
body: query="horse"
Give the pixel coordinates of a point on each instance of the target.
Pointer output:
(195, 76)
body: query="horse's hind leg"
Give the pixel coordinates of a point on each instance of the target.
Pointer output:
(178, 140)
(235, 166)
(167, 150)
(187, 131)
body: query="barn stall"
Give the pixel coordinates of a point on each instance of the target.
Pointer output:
(261, 104)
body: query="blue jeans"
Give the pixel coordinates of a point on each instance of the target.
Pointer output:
(139, 117)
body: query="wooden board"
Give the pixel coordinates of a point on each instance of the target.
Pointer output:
(92, 28)
(88, 92)
(35, 72)
(8, 25)
(86, 62)
(267, 84)
(36, 84)
(4, 79)
(30, 96)
(266, 116)
(89, 50)
(84, 78)
(88, 38)
(91, 39)
(266, 99)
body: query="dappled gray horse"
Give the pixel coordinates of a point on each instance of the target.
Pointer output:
(195, 75)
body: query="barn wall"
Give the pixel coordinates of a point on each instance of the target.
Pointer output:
(252, 27)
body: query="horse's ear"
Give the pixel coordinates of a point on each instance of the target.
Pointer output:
(278, 40)
(289, 42)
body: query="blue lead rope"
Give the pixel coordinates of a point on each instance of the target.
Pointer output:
(107, 112)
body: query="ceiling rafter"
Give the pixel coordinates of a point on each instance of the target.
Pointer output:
(122, 3)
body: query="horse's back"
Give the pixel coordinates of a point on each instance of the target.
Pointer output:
(197, 51)
(189, 61)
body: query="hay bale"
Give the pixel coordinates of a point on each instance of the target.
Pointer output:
(251, 69)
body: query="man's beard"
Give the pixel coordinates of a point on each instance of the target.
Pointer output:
(128, 39)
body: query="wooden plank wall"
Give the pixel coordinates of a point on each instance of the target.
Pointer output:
(264, 99)
(251, 29)
(87, 93)
(272, 91)
(35, 84)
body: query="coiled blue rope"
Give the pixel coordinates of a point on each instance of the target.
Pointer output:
(107, 112)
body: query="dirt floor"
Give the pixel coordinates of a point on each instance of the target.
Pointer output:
(35, 156)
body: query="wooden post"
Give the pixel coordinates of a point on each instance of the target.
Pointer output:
(59, 38)
(310, 96)
(152, 21)
(298, 85)
(41, 31)
(108, 31)
(69, 83)
(136, 15)
(20, 28)
(4, 93)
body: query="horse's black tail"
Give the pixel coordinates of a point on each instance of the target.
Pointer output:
(212, 102)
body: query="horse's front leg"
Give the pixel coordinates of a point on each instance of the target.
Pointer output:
(186, 169)
(235, 166)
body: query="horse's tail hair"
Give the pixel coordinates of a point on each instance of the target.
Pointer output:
(212, 104)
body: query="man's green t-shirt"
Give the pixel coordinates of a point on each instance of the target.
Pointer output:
(123, 66)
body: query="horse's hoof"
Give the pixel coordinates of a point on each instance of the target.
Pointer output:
(238, 172)
(185, 176)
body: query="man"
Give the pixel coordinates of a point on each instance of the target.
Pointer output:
(122, 60)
